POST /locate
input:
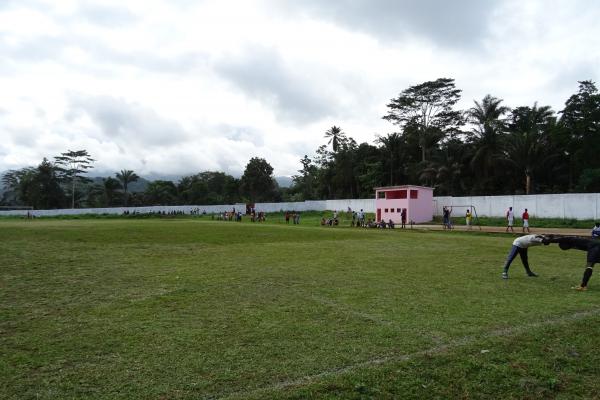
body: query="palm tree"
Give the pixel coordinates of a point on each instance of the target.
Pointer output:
(111, 185)
(336, 137)
(487, 134)
(391, 144)
(529, 146)
(126, 177)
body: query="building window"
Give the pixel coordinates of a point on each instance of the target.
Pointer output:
(381, 195)
(398, 210)
(414, 194)
(386, 210)
(391, 210)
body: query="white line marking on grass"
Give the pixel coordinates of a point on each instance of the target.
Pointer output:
(350, 310)
(369, 317)
(465, 340)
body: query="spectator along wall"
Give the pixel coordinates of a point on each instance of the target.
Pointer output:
(571, 205)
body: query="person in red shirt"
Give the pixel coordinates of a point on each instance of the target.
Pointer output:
(526, 221)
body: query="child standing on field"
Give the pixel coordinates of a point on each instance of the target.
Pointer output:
(526, 221)
(468, 217)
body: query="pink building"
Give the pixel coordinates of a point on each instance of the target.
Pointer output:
(416, 200)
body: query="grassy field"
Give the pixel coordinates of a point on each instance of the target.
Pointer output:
(188, 308)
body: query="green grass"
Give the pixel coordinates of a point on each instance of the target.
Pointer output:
(192, 308)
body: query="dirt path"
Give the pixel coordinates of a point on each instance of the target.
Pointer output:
(502, 229)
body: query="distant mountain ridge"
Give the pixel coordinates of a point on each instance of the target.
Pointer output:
(282, 181)
(134, 187)
(142, 183)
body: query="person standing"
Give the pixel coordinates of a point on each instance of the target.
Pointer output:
(445, 217)
(468, 217)
(520, 246)
(526, 221)
(447, 222)
(510, 219)
(403, 218)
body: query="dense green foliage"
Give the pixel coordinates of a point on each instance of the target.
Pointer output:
(485, 150)
(192, 308)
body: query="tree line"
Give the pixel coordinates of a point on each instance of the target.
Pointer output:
(63, 183)
(488, 149)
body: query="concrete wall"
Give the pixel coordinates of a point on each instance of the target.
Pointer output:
(368, 205)
(572, 205)
(568, 205)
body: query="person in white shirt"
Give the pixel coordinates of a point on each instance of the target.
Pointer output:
(510, 219)
(520, 246)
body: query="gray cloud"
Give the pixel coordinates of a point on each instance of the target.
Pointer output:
(262, 73)
(458, 23)
(127, 123)
(566, 79)
(241, 134)
(36, 50)
(40, 49)
(106, 16)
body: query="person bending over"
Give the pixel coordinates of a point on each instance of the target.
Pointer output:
(520, 246)
(591, 246)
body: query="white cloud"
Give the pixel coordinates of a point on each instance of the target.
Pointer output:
(174, 87)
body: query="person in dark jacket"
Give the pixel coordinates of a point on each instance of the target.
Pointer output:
(591, 246)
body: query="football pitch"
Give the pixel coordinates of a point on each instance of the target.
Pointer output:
(192, 308)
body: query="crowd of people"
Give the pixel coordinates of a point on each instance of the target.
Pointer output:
(170, 213)
(237, 216)
(229, 216)
(360, 220)
(509, 216)
(294, 216)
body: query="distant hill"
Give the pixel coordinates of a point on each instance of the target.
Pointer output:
(284, 181)
(139, 186)
(142, 183)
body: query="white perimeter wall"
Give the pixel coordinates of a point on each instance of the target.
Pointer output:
(577, 206)
(571, 205)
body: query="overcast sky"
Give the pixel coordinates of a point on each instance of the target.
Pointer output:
(183, 86)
